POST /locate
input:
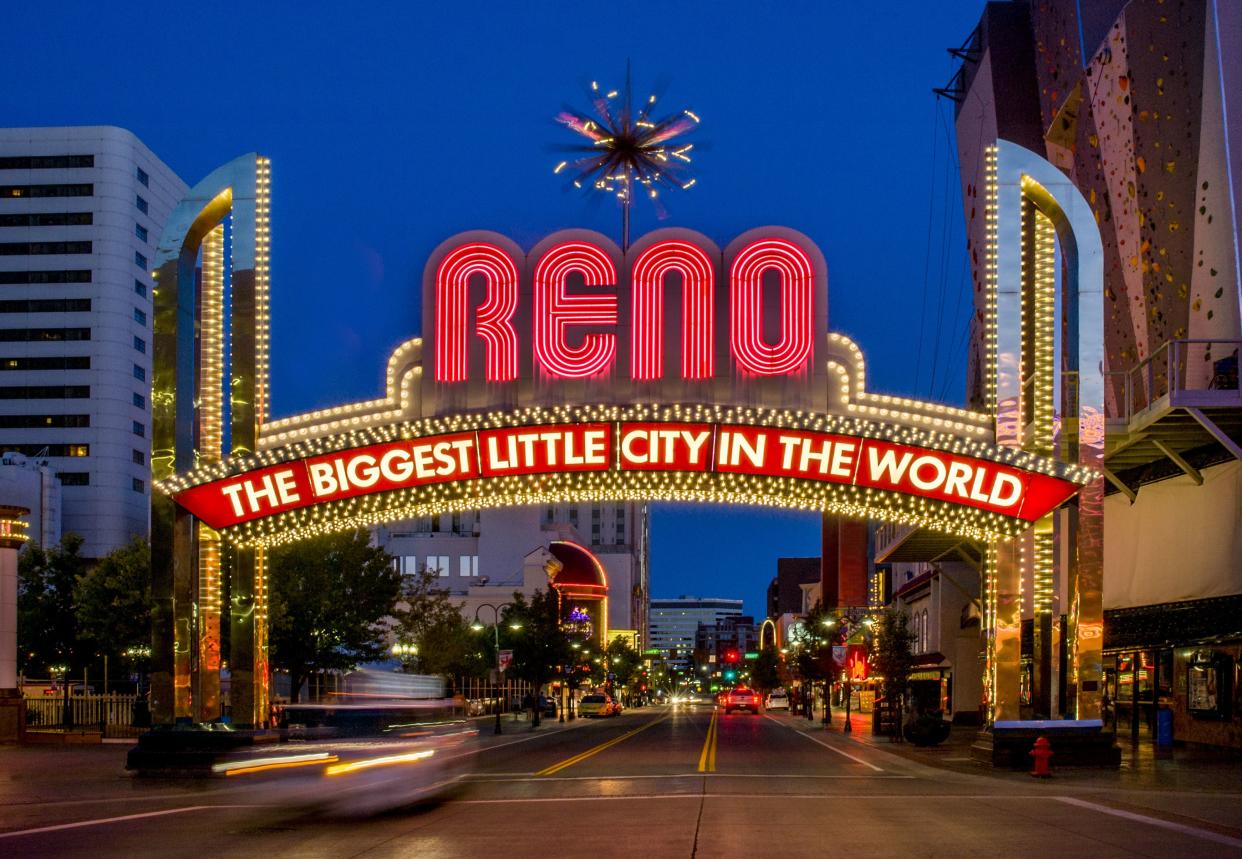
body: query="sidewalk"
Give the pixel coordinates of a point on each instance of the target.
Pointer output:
(1184, 768)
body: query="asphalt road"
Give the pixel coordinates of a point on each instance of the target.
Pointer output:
(654, 782)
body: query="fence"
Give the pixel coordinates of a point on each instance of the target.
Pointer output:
(1177, 366)
(113, 714)
(484, 698)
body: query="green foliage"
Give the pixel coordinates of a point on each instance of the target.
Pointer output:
(539, 646)
(812, 644)
(114, 600)
(892, 653)
(765, 673)
(621, 660)
(329, 598)
(47, 623)
(427, 617)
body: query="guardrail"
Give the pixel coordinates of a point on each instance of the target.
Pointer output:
(1178, 367)
(112, 714)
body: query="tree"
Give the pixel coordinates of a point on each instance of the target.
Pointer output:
(427, 618)
(540, 648)
(893, 658)
(620, 660)
(47, 624)
(114, 599)
(813, 661)
(329, 598)
(766, 673)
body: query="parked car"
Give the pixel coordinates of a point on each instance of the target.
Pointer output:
(547, 706)
(597, 704)
(741, 698)
(778, 699)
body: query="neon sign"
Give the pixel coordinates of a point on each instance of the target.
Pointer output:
(587, 307)
(484, 457)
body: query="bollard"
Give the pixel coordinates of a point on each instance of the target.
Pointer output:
(1041, 753)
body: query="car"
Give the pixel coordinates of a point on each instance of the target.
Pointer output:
(597, 704)
(778, 699)
(701, 699)
(741, 698)
(547, 706)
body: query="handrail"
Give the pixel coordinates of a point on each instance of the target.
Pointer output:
(1186, 364)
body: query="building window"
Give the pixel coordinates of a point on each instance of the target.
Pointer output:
(456, 523)
(74, 478)
(50, 362)
(140, 402)
(573, 516)
(45, 392)
(596, 516)
(435, 524)
(21, 191)
(140, 288)
(35, 421)
(142, 176)
(141, 203)
(139, 457)
(40, 335)
(68, 276)
(468, 565)
(46, 305)
(38, 449)
(139, 373)
(438, 565)
(140, 261)
(140, 345)
(140, 231)
(45, 162)
(138, 485)
(43, 248)
(140, 429)
(619, 536)
(48, 219)
(140, 316)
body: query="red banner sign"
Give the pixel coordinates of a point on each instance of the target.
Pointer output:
(627, 446)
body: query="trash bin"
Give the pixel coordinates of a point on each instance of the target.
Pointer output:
(1164, 727)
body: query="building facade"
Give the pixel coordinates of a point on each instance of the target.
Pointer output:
(675, 625)
(81, 211)
(482, 556)
(1138, 105)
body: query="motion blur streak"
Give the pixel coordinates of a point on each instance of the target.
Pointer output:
(265, 764)
(386, 760)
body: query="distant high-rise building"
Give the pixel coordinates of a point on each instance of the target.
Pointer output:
(675, 624)
(80, 212)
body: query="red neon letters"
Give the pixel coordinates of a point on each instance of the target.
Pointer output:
(478, 460)
(556, 311)
(698, 292)
(494, 319)
(573, 329)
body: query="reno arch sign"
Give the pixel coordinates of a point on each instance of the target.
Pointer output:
(674, 371)
(674, 319)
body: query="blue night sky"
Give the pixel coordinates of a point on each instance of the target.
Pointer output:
(391, 130)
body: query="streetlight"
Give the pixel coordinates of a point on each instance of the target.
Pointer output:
(477, 626)
(405, 652)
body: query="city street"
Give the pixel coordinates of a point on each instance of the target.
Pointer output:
(653, 782)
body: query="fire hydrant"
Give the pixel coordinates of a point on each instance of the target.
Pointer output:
(1041, 753)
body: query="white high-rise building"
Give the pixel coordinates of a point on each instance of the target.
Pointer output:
(80, 212)
(675, 623)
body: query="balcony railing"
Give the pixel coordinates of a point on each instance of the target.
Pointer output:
(1199, 373)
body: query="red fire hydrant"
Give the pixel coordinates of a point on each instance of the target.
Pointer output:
(1041, 753)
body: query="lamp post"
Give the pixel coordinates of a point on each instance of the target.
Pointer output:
(405, 652)
(478, 625)
(141, 714)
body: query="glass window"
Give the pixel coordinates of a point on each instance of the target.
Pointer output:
(140, 429)
(140, 288)
(140, 316)
(140, 231)
(140, 401)
(141, 203)
(140, 261)
(74, 478)
(138, 485)
(463, 565)
(139, 373)
(139, 457)
(140, 345)
(141, 176)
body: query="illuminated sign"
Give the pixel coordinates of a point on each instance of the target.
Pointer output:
(583, 307)
(481, 458)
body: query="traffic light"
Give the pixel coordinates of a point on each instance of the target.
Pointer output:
(730, 675)
(732, 655)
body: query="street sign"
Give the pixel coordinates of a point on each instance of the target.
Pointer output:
(504, 658)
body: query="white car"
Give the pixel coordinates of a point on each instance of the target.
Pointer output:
(778, 699)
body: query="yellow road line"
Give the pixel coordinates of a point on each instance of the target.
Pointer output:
(582, 756)
(707, 758)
